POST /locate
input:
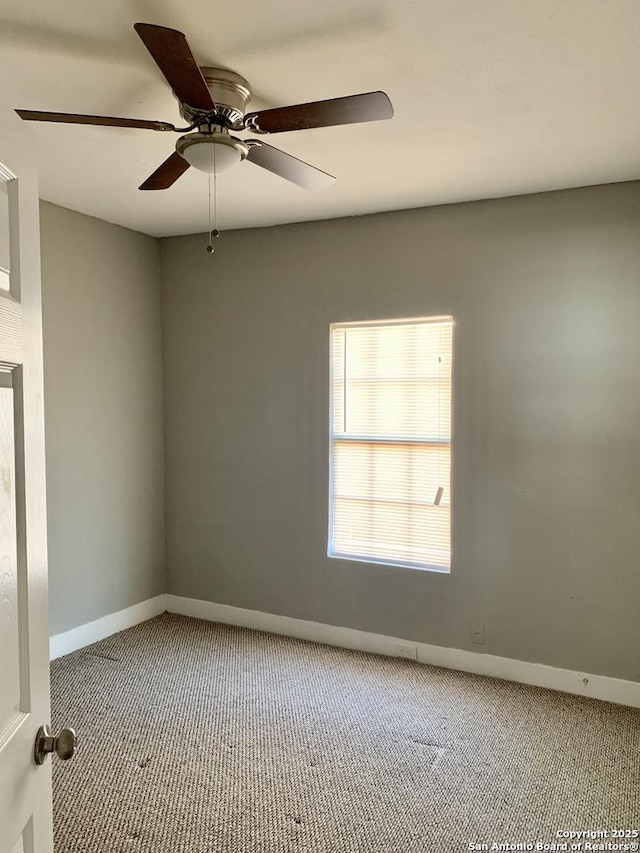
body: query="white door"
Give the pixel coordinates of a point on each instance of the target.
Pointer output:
(25, 787)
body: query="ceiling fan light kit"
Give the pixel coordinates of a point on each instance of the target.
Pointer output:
(212, 152)
(213, 101)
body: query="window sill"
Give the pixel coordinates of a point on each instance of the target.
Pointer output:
(440, 570)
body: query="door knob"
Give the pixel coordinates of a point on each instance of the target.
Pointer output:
(63, 744)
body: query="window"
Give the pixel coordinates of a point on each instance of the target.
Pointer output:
(389, 499)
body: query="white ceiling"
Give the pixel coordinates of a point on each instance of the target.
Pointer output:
(492, 98)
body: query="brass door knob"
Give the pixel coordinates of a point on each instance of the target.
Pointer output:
(63, 744)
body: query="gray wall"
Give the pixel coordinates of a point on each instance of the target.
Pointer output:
(546, 295)
(103, 416)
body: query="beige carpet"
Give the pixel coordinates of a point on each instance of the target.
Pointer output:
(200, 738)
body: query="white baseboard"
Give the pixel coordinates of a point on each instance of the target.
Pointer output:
(568, 681)
(91, 632)
(580, 683)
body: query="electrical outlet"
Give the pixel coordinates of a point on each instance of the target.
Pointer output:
(406, 650)
(477, 633)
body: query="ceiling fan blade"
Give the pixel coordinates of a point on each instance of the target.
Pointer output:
(103, 121)
(287, 167)
(167, 174)
(172, 54)
(372, 106)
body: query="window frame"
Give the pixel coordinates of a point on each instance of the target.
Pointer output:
(332, 552)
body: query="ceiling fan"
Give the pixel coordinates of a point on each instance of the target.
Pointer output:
(213, 102)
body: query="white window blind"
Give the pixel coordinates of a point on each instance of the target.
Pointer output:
(391, 442)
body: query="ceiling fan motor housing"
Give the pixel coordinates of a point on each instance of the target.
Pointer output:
(230, 93)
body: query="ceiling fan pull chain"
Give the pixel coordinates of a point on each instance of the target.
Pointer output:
(210, 248)
(215, 231)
